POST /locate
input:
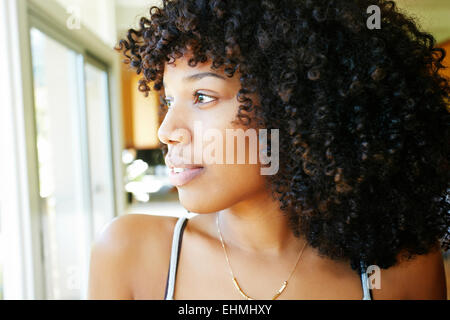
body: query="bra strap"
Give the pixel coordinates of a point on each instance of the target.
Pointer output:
(175, 254)
(365, 282)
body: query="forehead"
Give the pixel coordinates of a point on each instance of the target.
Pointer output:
(179, 69)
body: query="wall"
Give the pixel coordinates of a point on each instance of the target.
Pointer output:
(433, 16)
(97, 15)
(140, 113)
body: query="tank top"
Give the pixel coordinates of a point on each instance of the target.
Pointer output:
(175, 254)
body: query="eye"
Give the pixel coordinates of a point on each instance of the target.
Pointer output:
(198, 95)
(166, 102)
(200, 98)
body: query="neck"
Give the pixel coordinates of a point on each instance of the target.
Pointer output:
(257, 225)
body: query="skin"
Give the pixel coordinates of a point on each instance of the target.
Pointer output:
(130, 259)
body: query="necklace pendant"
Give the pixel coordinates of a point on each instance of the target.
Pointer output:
(240, 290)
(285, 283)
(280, 291)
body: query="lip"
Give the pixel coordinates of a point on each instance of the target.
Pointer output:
(182, 178)
(179, 163)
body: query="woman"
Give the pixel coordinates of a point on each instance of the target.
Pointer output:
(363, 155)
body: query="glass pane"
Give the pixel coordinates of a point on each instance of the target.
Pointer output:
(65, 223)
(100, 156)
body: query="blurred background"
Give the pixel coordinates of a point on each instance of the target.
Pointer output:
(78, 142)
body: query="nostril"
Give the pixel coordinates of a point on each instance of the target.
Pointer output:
(180, 135)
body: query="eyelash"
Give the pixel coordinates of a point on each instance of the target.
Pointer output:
(196, 94)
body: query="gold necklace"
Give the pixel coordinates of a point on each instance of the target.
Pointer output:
(236, 284)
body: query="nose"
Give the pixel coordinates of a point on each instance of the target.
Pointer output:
(171, 131)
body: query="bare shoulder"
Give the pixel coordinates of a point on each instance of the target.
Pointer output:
(127, 248)
(419, 278)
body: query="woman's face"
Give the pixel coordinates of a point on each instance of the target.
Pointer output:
(199, 104)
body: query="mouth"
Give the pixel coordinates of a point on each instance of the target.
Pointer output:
(181, 176)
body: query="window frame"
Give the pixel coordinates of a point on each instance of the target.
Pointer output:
(25, 265)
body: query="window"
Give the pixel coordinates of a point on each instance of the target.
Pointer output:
(61, 166)
(100, 153)
(58, 115)
(73, 145)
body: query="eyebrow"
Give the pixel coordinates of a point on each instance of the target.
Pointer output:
(199, 76)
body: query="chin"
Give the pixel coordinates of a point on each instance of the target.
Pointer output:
(197, 204)
(200, 200)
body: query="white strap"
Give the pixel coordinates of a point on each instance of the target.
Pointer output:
(174, 257)
(365, 282)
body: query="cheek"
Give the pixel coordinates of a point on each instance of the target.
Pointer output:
(223, 185)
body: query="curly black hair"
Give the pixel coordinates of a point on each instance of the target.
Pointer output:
(363, 113)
